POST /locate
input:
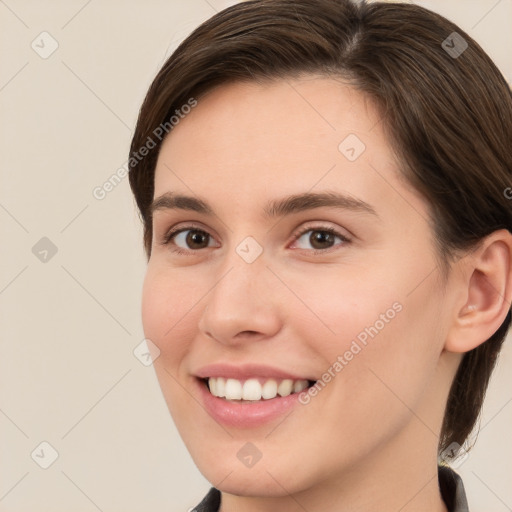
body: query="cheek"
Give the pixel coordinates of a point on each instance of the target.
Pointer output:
(168, 305)
(380, 326)
(169, 310)
(402, 341)
(335, 307)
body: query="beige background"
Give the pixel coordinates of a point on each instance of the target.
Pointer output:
(68, 374)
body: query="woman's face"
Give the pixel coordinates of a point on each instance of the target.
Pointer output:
(301, 255)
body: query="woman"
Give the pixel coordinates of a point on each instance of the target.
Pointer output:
(323, 190)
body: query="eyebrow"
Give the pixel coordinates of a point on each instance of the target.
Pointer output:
(275, 208)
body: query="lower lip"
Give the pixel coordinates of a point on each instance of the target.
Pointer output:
(245, 415)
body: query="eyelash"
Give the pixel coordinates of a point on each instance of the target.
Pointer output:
(297, 235)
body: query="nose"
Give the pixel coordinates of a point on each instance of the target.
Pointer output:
(243, 304)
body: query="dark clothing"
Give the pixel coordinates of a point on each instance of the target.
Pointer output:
(450, 484)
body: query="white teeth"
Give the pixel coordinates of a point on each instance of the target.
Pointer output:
(233, 389)
(300, 385)
(252, 389)
(269, 389)
(220, 387)
(212, 384)
(285, 388)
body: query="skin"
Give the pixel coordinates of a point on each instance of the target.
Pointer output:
(246, 144)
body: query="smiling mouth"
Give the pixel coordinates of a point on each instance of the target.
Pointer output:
(254, 389)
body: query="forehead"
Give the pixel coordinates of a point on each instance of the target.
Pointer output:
(244, 140)
(310, 107)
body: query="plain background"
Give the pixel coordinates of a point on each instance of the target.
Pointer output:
(70, 324)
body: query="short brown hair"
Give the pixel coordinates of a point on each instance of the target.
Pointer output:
(448, 118)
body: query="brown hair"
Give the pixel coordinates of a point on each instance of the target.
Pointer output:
(448, 118)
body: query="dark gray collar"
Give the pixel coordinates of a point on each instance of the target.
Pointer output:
(452, 490)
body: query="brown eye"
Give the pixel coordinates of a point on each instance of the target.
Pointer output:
(319, 239)
(196, 239)
(188, 239)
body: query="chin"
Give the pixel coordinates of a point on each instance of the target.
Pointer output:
(250, 482)
(268, 477)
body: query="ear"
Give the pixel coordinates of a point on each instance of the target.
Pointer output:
(486, 293)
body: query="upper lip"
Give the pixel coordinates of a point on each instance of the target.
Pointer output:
(246, 371)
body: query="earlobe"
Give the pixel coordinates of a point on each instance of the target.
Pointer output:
(488, 292)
